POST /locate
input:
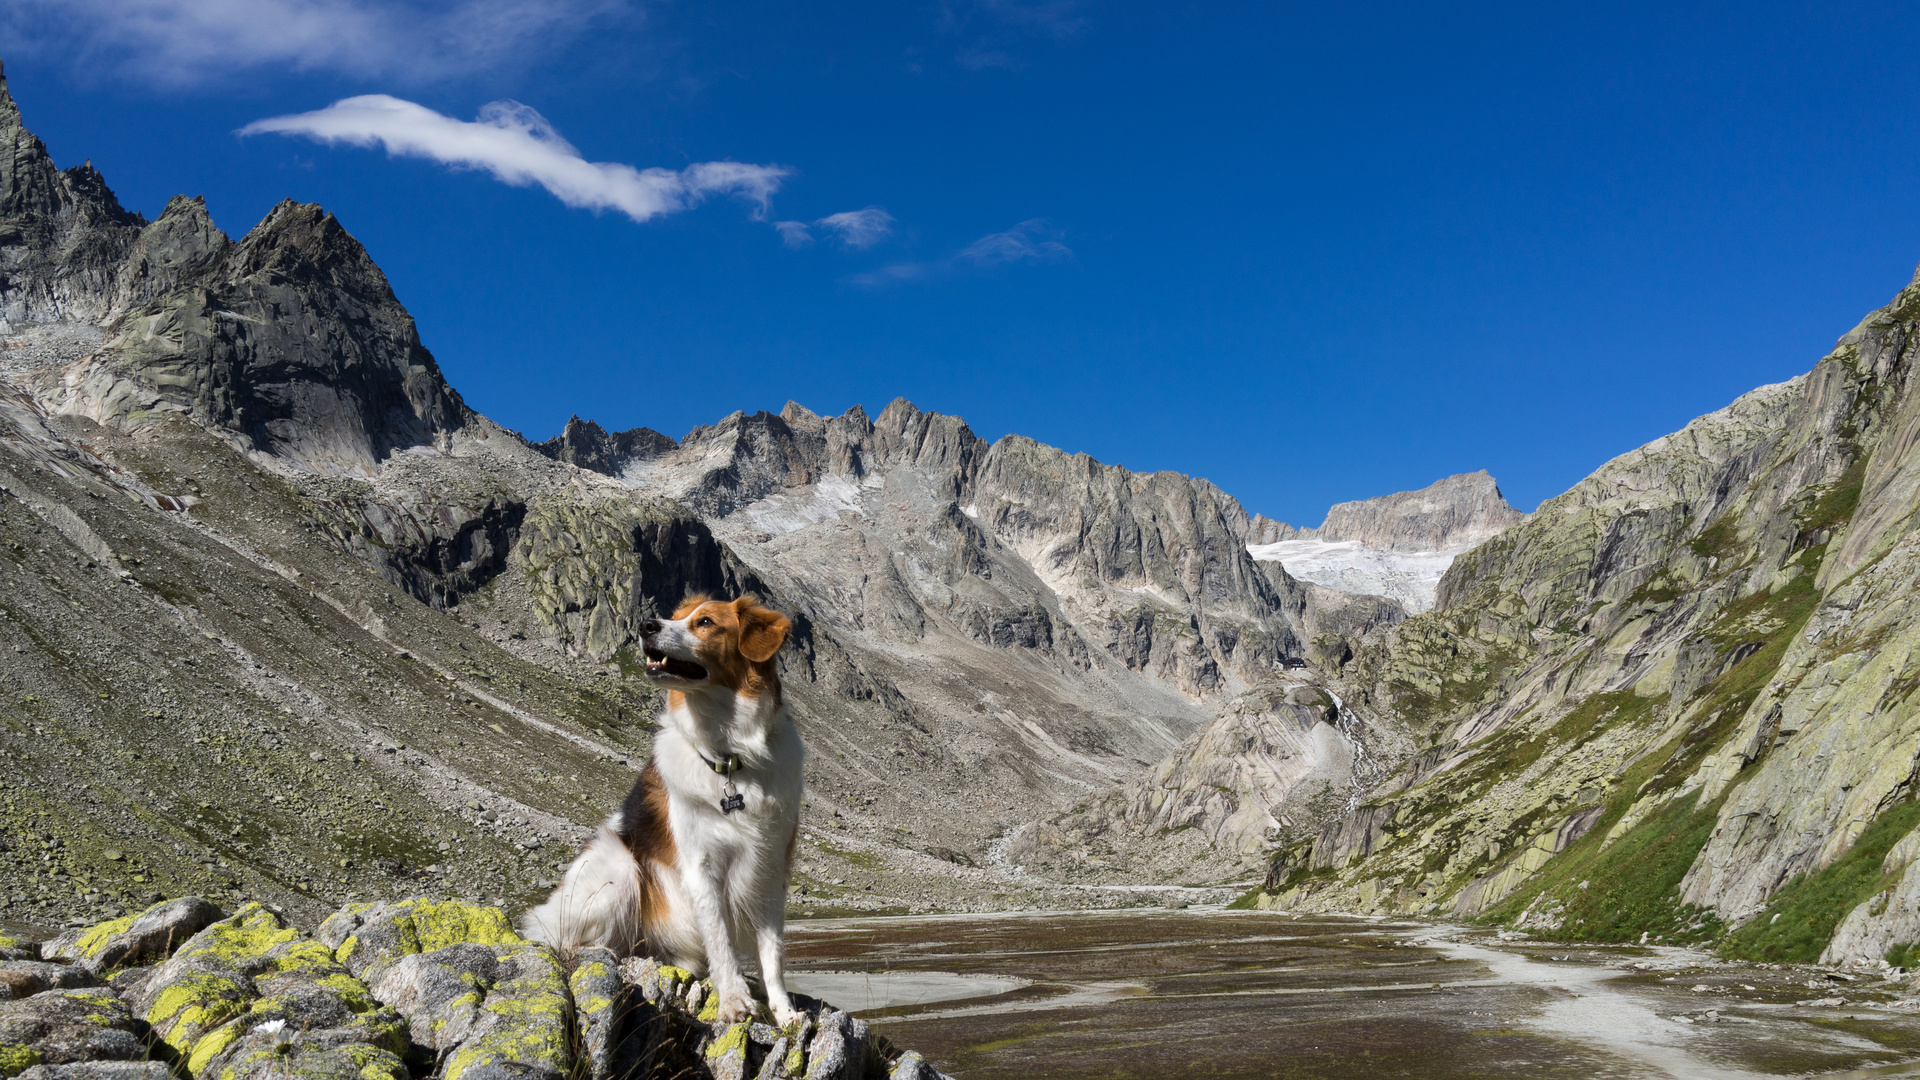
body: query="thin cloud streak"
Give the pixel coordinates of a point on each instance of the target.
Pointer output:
(517, 146)
(183, 42)
(859, 229)
(1031, 241)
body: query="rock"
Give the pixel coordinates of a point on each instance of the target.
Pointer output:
(101, 1070)
(60, 1027)
(604, 1009)
(135, 940)
(521, 1032)
(250, 996)
(371, 938)
(24, 978)
(912, 1066)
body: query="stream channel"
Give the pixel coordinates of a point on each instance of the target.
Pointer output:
(1227, 994)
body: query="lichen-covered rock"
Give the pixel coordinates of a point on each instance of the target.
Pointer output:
(60, 1027)
(25, 978)
(146, 938)
(912, 1066)
(101, 1070)
(521, 1031)
(15, 949)
(371, 938)
(250, 994)
(603, 1007)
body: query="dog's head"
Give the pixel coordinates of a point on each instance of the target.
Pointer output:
(714, 643)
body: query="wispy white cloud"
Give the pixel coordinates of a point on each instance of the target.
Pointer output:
(176, 42)
(518, 146)
(859, 229)
(794, 234)
(1031, 241)
(856, 229)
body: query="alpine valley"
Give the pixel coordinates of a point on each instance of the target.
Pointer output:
(281, 618)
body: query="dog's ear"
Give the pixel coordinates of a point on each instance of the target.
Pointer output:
(762, 631)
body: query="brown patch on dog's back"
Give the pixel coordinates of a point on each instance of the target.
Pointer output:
(647, 834)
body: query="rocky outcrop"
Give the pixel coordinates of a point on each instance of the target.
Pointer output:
(289, 341)
(588, 445)
(1673, 702)
(1446, 515)
(400, 989)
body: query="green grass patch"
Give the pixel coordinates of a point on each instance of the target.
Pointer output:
(1904, 955)
(1718, 540)
(1801, 917)
(1248, 901)
(1837, 504)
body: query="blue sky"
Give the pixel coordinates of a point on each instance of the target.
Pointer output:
(1310, 254)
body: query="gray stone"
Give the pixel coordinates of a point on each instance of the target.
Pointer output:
(65, 1026)
(101, 1070)
(24, 978)
(146, 938)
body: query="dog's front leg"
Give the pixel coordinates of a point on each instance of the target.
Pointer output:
(706, 888)
(771, 937)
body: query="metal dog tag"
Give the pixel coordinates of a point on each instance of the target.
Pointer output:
(735, 801)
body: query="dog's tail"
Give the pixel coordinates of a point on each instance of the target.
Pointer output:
(598, 902)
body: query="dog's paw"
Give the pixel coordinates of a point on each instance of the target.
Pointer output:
(787, 1016)
(735, 1005)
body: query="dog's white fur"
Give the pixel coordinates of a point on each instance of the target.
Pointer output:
(725, 887)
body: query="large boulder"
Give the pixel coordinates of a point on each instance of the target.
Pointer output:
(474, 994)
(251, 996)
(146, 938)
(61, 1027)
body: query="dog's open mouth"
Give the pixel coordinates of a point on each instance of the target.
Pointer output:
(659, 663)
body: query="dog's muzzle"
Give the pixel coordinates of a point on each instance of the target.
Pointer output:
(659, 664)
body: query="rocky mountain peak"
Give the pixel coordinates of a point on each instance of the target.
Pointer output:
(1456, 512)
(590, 446)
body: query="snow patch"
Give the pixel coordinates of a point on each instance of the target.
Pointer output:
(1410, 577)
(792, 511)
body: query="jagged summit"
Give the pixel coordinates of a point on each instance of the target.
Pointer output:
(288, 341)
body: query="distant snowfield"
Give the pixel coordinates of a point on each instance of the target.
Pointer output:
(1410, 577)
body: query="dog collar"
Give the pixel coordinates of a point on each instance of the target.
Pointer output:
(727, 765)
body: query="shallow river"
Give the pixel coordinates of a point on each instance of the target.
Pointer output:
(1208, 993)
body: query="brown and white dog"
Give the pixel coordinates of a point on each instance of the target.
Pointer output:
(694, 865)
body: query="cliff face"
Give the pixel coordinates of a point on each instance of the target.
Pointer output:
(1674, 700)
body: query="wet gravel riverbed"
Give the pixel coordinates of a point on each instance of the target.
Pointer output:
(1226, 994)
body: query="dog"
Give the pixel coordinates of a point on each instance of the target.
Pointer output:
(693, 866)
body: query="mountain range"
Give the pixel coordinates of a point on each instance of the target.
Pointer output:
(287, 619)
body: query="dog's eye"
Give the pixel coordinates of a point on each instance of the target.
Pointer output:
(704, 622)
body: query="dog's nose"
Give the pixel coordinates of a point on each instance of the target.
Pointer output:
(650, 627)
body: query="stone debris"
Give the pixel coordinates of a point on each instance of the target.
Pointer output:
(1823, 1003)
(390, 991)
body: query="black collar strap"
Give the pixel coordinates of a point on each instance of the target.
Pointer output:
(726, 766)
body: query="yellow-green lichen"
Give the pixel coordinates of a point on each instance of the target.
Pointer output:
(212, 1044)
(733, 1041)
(16, 1058)
(248, 934)
(192, 1005)
(796, 1057)
(351, 991)
(96, 937)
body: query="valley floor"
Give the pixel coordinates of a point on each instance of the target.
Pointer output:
(1207, 992)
